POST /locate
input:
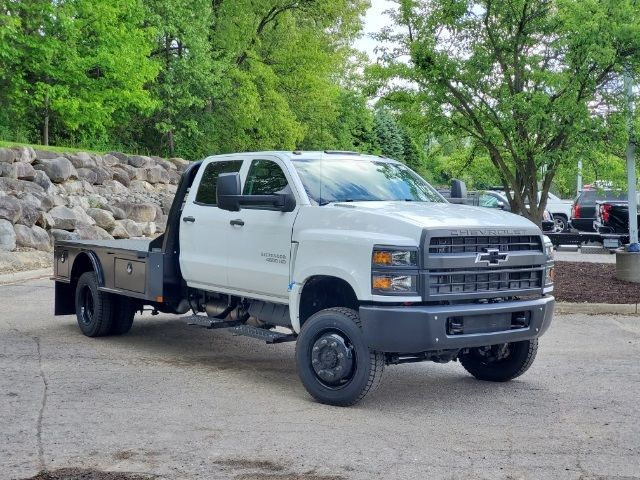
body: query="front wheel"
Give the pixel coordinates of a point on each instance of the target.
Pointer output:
(334, 362)
(500, 363)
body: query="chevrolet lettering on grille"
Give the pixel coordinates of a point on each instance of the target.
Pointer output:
(492, 256)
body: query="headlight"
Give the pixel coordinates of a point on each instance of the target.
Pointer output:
(394, 258)
(394, 270)
(382, 284)
(548, 247)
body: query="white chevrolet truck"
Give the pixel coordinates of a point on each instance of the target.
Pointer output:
(354, 257)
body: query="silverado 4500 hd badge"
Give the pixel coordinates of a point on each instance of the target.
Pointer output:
(274, 257)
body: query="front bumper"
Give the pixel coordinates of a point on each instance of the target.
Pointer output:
(416, 329)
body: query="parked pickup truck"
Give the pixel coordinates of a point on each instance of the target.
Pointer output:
(354, 257)
(612, 216)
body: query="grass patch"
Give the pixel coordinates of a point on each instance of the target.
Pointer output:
(49, 148)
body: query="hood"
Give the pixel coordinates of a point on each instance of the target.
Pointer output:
(443, 215)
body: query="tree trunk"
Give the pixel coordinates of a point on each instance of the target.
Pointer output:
(45, 123)
(170, 142)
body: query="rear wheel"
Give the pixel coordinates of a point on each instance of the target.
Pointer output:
(500, 363)
(125, 310)
(94, 309)
(333, 360)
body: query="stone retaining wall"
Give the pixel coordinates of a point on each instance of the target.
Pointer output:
(46, 195)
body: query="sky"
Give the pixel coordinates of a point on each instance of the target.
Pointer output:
(374, 20)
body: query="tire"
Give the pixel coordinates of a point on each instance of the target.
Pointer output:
(484, 363)
(561, 223)
(94, 309)
(125, 310)
(360, 369)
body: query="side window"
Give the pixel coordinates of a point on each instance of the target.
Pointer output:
(207, 190)
(265, 177)
(488, 201)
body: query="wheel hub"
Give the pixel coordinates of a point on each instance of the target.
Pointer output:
(332, 358)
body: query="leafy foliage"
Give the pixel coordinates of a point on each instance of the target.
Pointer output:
(533, 83)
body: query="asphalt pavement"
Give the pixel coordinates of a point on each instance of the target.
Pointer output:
(170, 401)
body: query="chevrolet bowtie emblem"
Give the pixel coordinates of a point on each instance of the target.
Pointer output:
(492, 256)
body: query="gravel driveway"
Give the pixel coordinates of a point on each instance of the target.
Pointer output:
(177, 402)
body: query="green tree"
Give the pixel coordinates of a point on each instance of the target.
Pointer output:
(389, 134)
(532, 82)
(81, 63)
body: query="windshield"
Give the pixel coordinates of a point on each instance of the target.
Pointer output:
(356, 180)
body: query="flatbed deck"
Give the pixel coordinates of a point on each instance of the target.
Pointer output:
(140, 245)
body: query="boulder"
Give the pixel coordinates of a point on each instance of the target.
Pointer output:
(83, 218)
(117, 212)
(116, 187)
(50, 201)
(24, 171)
(180, 163)
(46, 154)
(141, 212)
(128, 169)
(131, 227)
(166, 201)
(32, 237)
(77, 187)
(140, 186)
(148, 228)
(139, 174)
(174, 177)
(13, 185)
(140, 161)
(121, 176)
(10, 209)
(7, 236)
(103, 218)
(97, 201)
(58, 170)
(64, 218)
(92, 232)
(81, 160)
(7, 155)
(59, 235)
(103, 175)
(78, 201)
(30, 213)
(45, 220)
(88, 175)
(157, 175)
(123, 157)
(8, 170)
(40, 178)
(119, 231)
(110, 160)
(25, 154)
(166, 164)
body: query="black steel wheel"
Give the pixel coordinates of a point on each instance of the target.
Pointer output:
(333, 360)
(500, 363)
(94, 309)
(124, 310)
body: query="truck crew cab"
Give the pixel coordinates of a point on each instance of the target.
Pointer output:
(354, 257)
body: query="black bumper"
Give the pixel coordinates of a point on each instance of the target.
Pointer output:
(416, 329)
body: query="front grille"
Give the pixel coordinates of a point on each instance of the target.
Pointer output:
(479, 280)
(482, 244)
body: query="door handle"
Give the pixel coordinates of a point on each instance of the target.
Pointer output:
(237, 222)
(188, 219)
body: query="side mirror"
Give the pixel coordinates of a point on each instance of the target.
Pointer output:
(288, 202)
(228, 191)
(501, 205)
(458, 189)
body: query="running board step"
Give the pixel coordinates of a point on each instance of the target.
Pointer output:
(210, 323)
(268, 336)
